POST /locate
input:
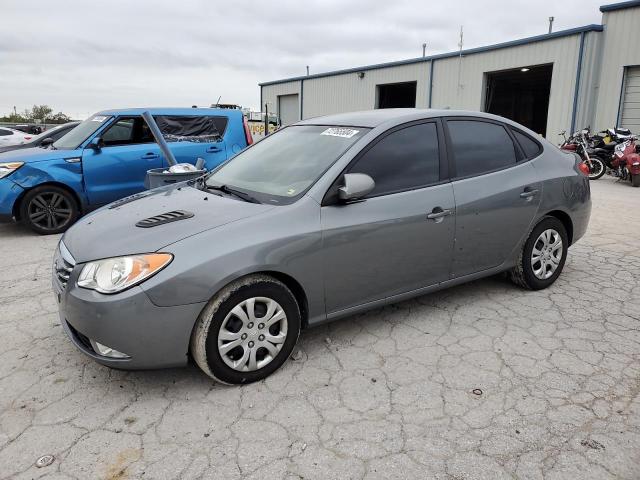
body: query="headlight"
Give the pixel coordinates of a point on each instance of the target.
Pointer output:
(9, 168)
(113, 275)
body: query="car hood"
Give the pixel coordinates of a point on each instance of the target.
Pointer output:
(36, 154)
(111, 231)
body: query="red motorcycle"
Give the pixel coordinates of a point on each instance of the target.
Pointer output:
(579, 143)
(626, 161)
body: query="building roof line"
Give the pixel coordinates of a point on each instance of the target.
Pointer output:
(511, 43)
(619, 6)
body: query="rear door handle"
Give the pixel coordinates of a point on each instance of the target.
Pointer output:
(438, 213)
(150, 156)
(529, 193)
(213, 149)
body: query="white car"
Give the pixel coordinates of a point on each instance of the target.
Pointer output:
(10, 136)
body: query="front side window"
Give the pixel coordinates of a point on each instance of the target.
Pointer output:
(480, 147)
(4, 132)
(127, 131)
(402, 160)
(281, 167)
(81, 133)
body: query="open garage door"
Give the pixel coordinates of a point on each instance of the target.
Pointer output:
(630, 108)
(288, 109)
(521, 94)
(396, 95)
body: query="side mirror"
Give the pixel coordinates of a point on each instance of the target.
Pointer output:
(46, 141)
(356, 186)
(96, 144)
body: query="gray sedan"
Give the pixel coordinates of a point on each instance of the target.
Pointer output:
(321, 220)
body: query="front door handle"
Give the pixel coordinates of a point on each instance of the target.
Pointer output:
(150, 156)
(213, 149)
(438, 214)
(528, 193)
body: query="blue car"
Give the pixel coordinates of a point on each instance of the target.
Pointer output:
(105, 158)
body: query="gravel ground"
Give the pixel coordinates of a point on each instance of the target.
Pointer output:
(387, 394)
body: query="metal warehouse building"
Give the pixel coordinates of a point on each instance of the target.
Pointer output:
(558, 81)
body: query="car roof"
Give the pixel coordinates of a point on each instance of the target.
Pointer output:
(390, 116)
(172, 111)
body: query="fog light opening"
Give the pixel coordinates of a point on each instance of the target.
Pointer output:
(107, 351)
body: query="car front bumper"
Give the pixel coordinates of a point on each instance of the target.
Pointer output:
(150, 336)
(9, 193)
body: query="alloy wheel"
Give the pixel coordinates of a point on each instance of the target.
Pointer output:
(49, 210)
(252, 334)
(546, 254)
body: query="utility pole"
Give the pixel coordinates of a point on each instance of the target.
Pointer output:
(424, 50)
(460, 56)
(307, 70)
(551, 24)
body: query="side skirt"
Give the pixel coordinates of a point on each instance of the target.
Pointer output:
(412, 294)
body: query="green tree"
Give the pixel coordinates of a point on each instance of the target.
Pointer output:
(41, 112)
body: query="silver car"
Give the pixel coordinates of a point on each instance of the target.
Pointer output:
(321, 220)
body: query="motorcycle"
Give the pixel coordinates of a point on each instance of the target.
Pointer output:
(626, 161)
(604, 144)
(579, 143)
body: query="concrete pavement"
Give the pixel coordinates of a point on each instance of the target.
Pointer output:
(482, 381)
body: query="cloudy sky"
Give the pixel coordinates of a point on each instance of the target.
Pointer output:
(80, 56)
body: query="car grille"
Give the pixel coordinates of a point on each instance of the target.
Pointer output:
(63, 264)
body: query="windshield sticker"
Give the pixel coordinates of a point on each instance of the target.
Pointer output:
(99, 118)
(291, 191)
(340, 132)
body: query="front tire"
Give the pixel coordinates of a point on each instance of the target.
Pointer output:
(597, 169)
(543, 256)
(49, 209)
(247, 330)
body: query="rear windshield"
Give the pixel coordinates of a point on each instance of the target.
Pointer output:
(84, 130)
(281, 167)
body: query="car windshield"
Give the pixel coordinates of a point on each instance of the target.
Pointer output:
(280, 168)
(78, 135)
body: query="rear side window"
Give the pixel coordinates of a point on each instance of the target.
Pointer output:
(191, 128)
(530, 147)
(403, 160)
(4, 132)
(480, 147)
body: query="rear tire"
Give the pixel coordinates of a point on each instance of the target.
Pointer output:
(49, 209)
(635, 180)
(543, 255)
(247, 330)
(598, 168)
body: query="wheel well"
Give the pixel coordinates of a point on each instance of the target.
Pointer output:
(18, 202)
(297, 290)
(566, 221)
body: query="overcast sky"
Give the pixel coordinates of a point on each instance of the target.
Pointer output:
(81, 56)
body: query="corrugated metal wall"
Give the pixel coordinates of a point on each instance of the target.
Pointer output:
(347, 92)
(621, 49)
(604, 57)
(588, 94)
(561, 52)
(270, 94)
